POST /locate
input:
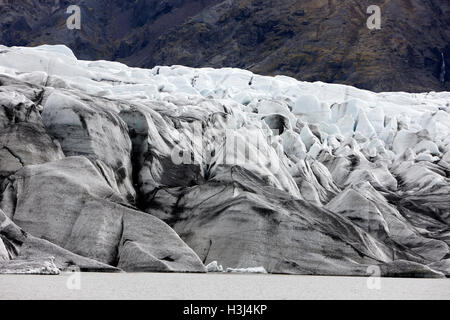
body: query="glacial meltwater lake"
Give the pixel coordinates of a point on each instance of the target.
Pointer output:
(216, 286)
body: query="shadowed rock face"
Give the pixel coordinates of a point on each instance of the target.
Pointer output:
(317, 41)
(310, 40)
(112, 168)
(118, 29)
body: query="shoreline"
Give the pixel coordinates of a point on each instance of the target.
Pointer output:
(186, 286)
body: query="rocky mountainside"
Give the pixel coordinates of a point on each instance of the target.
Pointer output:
(111, 168)
(110, 29)
(311, 40)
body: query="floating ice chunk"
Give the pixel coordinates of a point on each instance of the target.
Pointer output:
(247, 270)
(214, 267)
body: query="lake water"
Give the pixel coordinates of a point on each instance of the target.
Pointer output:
(216, 286)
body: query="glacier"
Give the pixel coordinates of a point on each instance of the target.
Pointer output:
(112, 168)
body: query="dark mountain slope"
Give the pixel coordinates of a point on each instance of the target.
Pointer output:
(311, 40)
(318, 40)
(110, 29)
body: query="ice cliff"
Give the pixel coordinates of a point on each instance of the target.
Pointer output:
(112, 168)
